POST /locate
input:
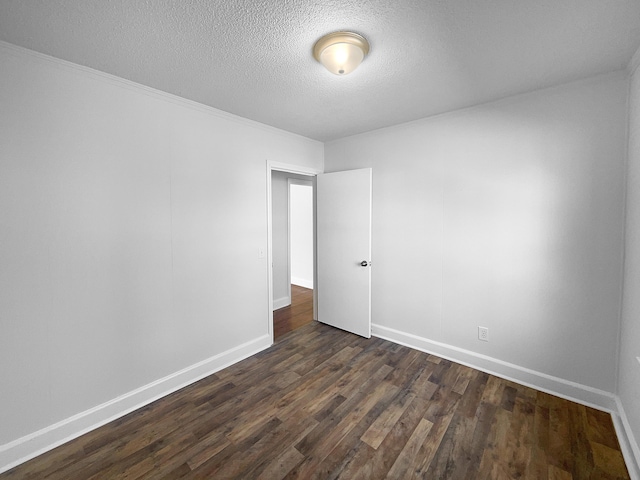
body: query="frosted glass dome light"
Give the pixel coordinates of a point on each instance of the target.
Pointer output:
(341, 52)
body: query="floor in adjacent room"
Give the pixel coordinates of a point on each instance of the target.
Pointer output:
(296, 315)
(323, 403)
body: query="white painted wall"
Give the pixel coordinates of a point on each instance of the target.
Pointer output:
(629, 368)
(301, 212)
(130, 225)
(509, 216)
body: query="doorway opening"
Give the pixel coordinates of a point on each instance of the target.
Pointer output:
(342, 239)
(291, 247)
(292, 251)
(299, 310)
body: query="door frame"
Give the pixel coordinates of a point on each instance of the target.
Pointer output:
(297, 169)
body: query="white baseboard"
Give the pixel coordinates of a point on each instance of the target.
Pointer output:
(575, 392)
(36, 443)
(560, 387)
(302, 282)
(281, 302)
(628, 444)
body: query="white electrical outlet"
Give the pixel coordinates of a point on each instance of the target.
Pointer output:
(260, 252)
(483, 334)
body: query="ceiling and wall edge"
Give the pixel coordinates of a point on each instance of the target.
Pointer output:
(500, 101)
(634, 63)
(149, 91)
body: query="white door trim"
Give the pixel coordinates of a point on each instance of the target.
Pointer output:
(284, 167)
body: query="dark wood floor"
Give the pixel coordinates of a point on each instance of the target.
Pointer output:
(322, 403)
(299, 313)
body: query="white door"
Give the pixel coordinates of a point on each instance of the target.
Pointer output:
(344, 250)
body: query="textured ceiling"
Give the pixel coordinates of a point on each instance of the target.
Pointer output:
(253, 57)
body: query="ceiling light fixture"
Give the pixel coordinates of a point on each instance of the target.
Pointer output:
(341, 52)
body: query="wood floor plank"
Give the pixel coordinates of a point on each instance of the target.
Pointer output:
(324, 445)
(609, 460)
(296, 315)
(345, 385)
(437, 451)
(385, 456)
(598, 430)
(485, 415)
(452, 455)
(539, 461)
(325, 404)
(351, 452)
(372, 389)
(281, 466)
(494, 463)
(556, 473)
(379, 429)
(245, 463)
(519, 440)
(207, 447)
(460, 436)
(408, 460)
(560, 454)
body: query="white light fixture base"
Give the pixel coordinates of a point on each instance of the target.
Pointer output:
(341, 52)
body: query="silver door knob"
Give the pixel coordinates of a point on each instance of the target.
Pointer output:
(364, 263)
